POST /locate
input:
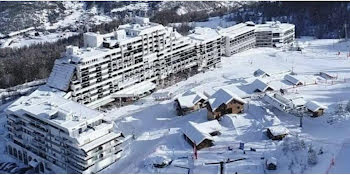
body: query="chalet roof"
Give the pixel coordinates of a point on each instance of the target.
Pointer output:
(260, 85)
(278, 130)
(198, 132)
(293, 79)
(314, 106)
(260, 72)
(189, 100)
(223, 96)
(272, 160)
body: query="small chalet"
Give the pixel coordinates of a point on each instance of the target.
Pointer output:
(224, 102)
(260, 86)
(277, 132)
(271, 163)
(315, 108)
(201, 135)
(261, 73)
(328, 76)
(190, 102)
(294, 80)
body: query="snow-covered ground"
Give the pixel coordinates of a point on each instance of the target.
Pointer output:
(21, 41)
(310, 149)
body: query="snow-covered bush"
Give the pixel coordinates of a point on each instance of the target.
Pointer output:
(347, 108)
(312, 156)
(294, 153)
(157, 161)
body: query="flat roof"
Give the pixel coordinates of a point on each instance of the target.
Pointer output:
(274, 27)
(236, 30)
(204, 34)
(54, 109)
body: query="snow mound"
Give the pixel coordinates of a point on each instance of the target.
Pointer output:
(158, 161)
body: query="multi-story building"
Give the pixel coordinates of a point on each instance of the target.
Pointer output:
(55, 135)
(274, 34)
(125, 63)
(238, 38)
(208, 44)
(131, 61)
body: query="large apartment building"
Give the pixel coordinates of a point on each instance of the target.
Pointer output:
(208, 45)
(131, 61)
(274, 34)
(55, 135)
(128, 62)
(238, 38)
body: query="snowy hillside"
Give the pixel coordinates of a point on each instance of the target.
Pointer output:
(157, 129)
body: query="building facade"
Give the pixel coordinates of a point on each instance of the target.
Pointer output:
(55, 135)
(131, 61)
(110, 66)
(238, 38)
(274, 34)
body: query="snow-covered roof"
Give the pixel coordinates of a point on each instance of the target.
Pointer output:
(54, 109)
(223, 96)
(260, 85)
(278, 130)
(274, 27)
(260, 72)
(271, 160)
(327, 75)
(204, 34)
(299, 101)
(61, 75)
(189, 100)
(198, 132)
(236, 30)
(239, 91)
(277, 102)
(91, 145)
(293, 79)
(314, 106)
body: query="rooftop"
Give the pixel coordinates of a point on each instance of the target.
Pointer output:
(223, 96)
(54, 109)
(198, 132)
(204, 34)
(275, 27)
(314, 106)
(189, 100)
(236, 29)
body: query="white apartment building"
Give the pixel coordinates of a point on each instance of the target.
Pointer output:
(274, 34)
(131, 61)
(126, 63)
(55, 135)
(238, 38)
(208, 44)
